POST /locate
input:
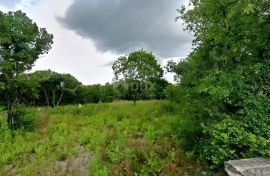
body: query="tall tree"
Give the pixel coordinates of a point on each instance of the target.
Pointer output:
(139, 69)
(21, 44)
(226, 76)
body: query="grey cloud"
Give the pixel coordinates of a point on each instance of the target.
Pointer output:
(121, 26)
(9, 3)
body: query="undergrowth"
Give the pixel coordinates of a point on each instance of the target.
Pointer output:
(120, 138)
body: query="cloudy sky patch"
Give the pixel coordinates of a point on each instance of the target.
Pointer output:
(90, 34)
(9, 3)
(121, 26)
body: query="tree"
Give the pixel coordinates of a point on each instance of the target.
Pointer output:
(21, 44)
(138, 69)
(55, 88)
(225, 80)
(96, 93)
(88, 94)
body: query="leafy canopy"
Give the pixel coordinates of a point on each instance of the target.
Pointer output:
(142, 74)
(139, 66)
(225, 80)
(21, 44)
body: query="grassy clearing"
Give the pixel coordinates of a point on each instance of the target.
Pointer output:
(99, 140)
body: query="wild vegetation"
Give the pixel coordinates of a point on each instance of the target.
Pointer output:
(21, 44)
(217, 111)
(224, 82)
(96, 139)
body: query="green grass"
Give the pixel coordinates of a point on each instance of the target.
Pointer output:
(99, 140)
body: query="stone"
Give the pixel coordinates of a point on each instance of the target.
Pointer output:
(248, 167)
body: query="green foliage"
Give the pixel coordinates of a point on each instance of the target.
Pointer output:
(174, 93)
(97, 169)
(224, 83)
(142, 75)
(139, 65)
(115, 152)
(114, 139)
(48, 88)
(22, 118)
(189, 133)
(61, 156)
(21, 44)
(152, 165)
(54, 88)
(96, 93)
(233, 139)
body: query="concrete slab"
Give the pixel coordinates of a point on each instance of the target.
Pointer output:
(248, 167)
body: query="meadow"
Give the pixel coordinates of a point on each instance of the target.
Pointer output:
(119, 138)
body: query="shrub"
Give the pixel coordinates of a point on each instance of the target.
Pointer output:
(84, 138)
(169, 107)
(152, 165)
(232, 139)
(174, 93)
(188, 131)
(61, 156)
(97, 168)
(22, 118)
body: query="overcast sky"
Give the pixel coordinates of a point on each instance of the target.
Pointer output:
(90, 34)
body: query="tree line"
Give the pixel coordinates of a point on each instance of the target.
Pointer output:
(51, 89)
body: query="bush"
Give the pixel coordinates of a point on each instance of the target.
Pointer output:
(232, 139)
(234, 107)
(189, 132)
(169, 107)
(22, 118)
(97, 168)
(174, 93)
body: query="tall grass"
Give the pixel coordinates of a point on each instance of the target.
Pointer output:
(108, 139)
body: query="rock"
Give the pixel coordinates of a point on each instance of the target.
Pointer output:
(248, 167)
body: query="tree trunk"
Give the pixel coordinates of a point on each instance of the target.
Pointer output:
(61, 96)
(53, 99)
(47, 97)
(9, 106)
(135, 99)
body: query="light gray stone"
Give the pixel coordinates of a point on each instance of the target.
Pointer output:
(248, 167)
